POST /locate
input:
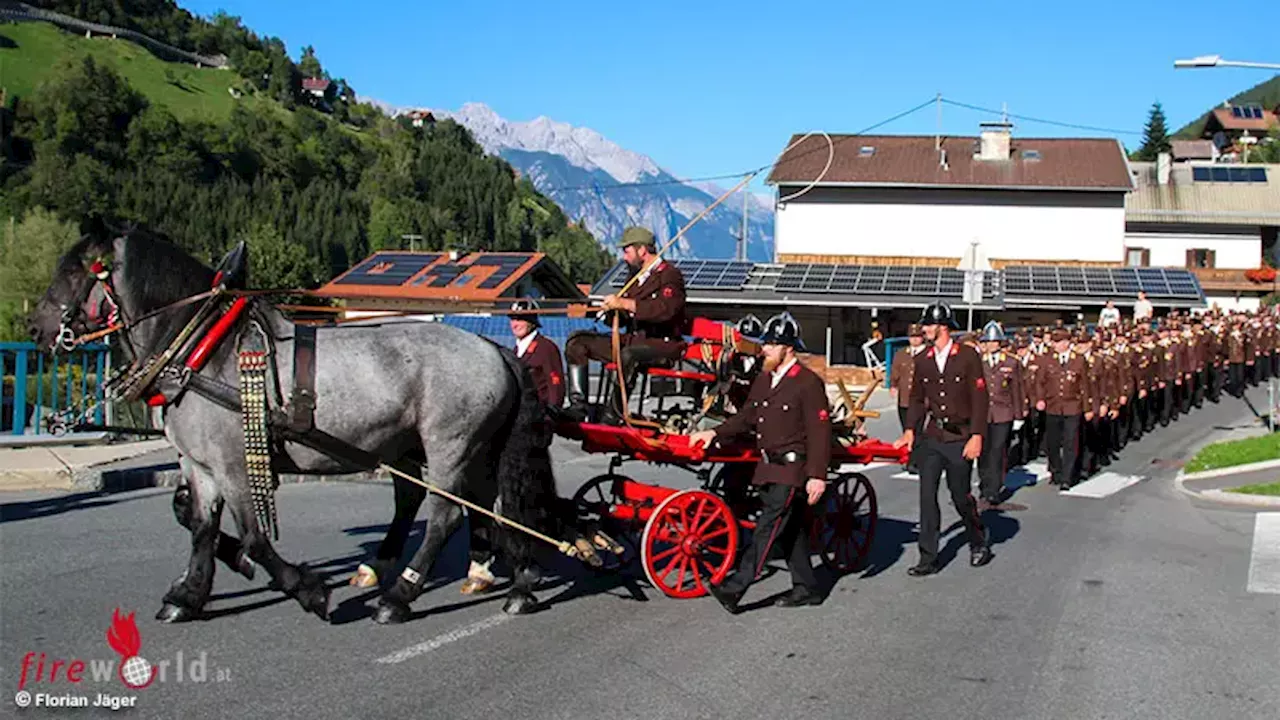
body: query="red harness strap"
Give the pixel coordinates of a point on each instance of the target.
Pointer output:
(198, 357)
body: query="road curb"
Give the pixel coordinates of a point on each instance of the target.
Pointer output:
(1221, 497)
(1233, 470)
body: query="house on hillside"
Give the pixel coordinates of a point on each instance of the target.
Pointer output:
(1217, 221)
(1233, 128)
(421, 118)
(317, 87)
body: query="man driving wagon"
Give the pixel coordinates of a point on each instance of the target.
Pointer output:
(652, 308)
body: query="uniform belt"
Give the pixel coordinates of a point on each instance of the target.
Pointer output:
(952, 428)
(785, 458)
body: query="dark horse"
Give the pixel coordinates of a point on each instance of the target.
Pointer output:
(400, 391)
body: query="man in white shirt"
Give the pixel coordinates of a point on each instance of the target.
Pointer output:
(1142, 309)
(1110, 315)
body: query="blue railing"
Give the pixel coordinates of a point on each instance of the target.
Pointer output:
(35, 384)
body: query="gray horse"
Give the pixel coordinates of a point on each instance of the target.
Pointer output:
(400, 391)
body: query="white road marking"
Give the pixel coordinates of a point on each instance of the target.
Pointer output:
(440, 641)
(1103, 485)
(1264, 566)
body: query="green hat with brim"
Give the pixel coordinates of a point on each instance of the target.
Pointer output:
(636, 236)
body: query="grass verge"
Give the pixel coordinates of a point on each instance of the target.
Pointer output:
(1272, 489)
(1236, 452)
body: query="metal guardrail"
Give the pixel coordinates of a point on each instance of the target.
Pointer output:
(36, 386)
(16, 11)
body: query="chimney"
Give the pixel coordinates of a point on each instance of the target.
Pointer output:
(1164, 168)
(994, 144)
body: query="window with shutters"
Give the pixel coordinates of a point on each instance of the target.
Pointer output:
(1137, 257)
(1200, 258)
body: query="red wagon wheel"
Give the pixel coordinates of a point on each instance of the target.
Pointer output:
(690, 541)
(844, 523)
(593, 502)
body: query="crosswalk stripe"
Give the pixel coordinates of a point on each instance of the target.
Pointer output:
(1103, 485)
(1264, 564)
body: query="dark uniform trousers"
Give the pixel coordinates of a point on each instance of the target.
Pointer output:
(936, 457)
(994, 461)
(1062, 439)
(781, 523)
(584, 346)
(1092, 445)
(1168, 408)
(1235, 381)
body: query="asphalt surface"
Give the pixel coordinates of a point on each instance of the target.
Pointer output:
(1129, 606)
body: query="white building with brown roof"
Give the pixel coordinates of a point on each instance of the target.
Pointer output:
(1217, 220)
(923, 199)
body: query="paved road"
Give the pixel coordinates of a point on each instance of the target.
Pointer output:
(1133, 605)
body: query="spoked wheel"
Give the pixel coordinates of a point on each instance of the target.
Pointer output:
(844, 523)
(690, 542)
(594, 502)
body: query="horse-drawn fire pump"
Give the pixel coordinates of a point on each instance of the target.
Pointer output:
(686, 539)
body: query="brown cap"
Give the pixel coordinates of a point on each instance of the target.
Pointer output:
(915, 330)
(1060, 334)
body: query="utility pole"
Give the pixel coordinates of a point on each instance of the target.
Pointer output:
(413, 241)
(742, 241)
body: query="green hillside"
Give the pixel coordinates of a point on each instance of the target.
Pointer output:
(29, 50)
(102, 127)
(1266, 93)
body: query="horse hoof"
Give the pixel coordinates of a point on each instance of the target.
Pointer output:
(170, 613)
(391, 613)
(365, 577)
(520, 604)
(476, 586)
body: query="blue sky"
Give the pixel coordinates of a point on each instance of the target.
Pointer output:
(707, 88)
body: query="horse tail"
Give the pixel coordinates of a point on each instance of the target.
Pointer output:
(526, 483)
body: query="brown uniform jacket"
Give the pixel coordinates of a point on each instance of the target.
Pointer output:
(792, 417)
(1235, 346)
(953, 403)
(1126, 370)
(1006, 398)
(660, 307)
(901, 373)
(1250, 343)
(1063, 387)
(1097, 382)
(543, 359)
(1031, 365)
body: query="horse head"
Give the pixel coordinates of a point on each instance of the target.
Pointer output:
(78, 300)
(110, 275)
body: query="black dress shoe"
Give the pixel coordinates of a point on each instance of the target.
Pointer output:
(980, 556)
(922, 569)
(799, 596)
(727, 599)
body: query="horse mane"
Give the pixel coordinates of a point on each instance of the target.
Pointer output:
(158, 272)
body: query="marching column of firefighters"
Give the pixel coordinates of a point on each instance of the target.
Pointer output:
(1077, 396)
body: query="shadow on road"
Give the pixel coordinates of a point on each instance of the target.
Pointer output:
(26, 510)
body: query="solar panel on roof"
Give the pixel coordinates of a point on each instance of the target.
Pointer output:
(792, 277)
(388, 269)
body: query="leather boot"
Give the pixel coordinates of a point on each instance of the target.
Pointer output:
(578, 388)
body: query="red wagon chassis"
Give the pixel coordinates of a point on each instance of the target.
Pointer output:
(689, 538)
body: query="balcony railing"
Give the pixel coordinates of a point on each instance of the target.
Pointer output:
(1229, 279)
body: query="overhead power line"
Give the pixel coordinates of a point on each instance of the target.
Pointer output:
(1028, 118)
(820, 147)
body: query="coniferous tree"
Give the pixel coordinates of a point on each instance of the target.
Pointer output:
(1155, 136)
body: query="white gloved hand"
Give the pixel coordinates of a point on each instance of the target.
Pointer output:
(1017, 425)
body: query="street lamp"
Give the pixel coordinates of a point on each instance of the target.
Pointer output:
(1207, 61)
